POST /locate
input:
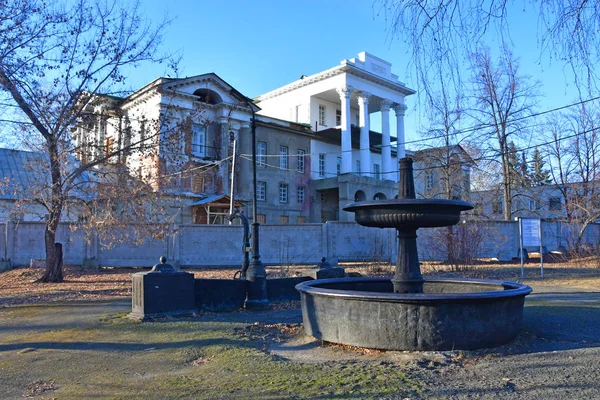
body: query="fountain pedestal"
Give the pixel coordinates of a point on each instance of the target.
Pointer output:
(408, 278)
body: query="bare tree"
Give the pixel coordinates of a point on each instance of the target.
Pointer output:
(504, 98)
(575, 164)
(566, 32)
(54, 61)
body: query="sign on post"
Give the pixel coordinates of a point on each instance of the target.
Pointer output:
(530, 231)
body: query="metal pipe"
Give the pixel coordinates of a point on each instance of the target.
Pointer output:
(246, 245)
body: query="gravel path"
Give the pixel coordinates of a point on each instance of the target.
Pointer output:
(557, 356)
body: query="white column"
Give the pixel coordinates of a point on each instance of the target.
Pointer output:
(345, 92)
(364, 122)
(400, 109)
(386, 150)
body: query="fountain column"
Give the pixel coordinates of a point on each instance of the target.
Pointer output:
(408, 278)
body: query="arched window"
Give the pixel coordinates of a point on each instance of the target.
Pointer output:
(379, 196)
(208, 96)
(360, 196)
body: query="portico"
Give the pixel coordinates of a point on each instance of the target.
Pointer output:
(336, 103)
(367, 104)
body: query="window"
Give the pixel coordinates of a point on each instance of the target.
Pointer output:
(283, 157)
(261, 190)
(377, 171)
(198, 140)
(261, 154)
(301, 219)
(283, 193)
(554, 204)
(109, 144)
(497, 207)
(261, 218)
(301, 160)
(532, 205)
(358, 167)
(338, 117)
(339, 165)
(142, 129)
(198, 183)
(322, 164)
(284, 219)
(300, 194)
(322, 115)
(428, 180)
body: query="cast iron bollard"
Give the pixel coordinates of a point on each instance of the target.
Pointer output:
(163, 266)
(323, 264)
(324, 270)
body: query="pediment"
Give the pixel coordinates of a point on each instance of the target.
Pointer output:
(214, 89)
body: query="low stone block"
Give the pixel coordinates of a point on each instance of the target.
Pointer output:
(158, 294)
(220, 294)
(325, 273)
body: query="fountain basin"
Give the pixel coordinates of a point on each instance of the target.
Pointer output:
(449, 314)
(415, 213)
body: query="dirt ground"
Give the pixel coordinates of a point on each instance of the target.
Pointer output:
(555, 357)
(19, 285)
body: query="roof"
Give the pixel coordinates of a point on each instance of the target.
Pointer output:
(18, 169)
(437, 152)
(213, 199)
(28, 172)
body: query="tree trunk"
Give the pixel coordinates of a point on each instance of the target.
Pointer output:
(54, 259)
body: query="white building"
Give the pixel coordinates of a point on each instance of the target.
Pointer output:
(332, 102)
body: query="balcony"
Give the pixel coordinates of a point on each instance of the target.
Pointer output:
(205, 152)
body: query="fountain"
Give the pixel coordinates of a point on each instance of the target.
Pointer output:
(409, 312)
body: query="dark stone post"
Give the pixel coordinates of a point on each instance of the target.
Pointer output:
(408, 278)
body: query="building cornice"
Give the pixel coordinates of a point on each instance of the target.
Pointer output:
(335, 71)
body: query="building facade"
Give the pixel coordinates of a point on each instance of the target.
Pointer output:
(316, 151)
(349, 161)
(182, 134)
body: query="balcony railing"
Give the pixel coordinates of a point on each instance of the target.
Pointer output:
(206, 152)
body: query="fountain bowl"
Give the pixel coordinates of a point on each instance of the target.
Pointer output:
(417, 213)
(449, 314)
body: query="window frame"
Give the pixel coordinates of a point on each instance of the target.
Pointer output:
(261, 190)
(301, 165)
(284, 152)
(322, 116)
(198, 143)
(300, 194)
(261, 154)
(428, 180)
(554, 204)
(284, 193)
(322, 164)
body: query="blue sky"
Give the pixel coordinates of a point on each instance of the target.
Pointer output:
(260, 45)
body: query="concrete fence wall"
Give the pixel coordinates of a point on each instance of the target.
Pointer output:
(305, 244)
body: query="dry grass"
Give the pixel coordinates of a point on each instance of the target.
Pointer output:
(18, 286)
